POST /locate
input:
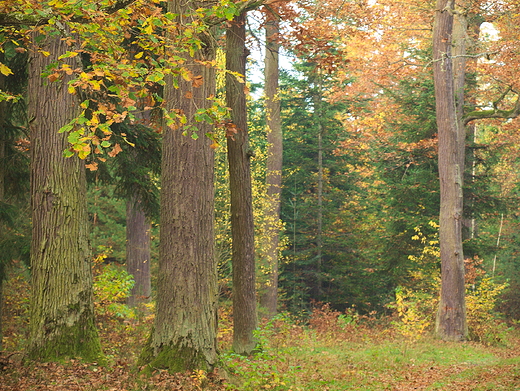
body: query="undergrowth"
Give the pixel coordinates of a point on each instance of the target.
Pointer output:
(332, 350)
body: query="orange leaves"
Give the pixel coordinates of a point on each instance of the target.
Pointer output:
(230, 129)
(197, 81)
(115, 150)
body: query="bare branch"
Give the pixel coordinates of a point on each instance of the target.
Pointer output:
(495, 112)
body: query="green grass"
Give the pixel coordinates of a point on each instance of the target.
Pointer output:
(361, 358)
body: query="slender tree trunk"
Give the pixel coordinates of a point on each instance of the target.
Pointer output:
(269, 299)
(242, 226)
(3, 119)
(138, 252)
(61, 307)
(319, 233)
(451, 317)
(185, 328)
(318, 113)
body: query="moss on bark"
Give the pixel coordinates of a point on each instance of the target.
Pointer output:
(79, 340)
(174, 358)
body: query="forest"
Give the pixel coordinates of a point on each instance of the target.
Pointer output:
(259, 195)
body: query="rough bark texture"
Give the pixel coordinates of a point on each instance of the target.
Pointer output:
(451, 317)
(138, 252)
(242, 226)
(61, 307)
(185, 328)
(269, 298)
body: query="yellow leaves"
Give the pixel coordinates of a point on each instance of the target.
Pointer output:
(96, 85)
(148, 29)
(139, 55)
(5, 70)
(68, 54)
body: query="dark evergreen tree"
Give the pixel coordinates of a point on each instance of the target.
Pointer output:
(325, 261)
(14, 167)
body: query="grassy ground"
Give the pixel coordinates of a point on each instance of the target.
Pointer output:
(329, 353)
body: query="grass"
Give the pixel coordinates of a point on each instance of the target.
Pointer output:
(367, 357)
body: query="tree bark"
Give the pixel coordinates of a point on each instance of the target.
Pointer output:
(61, 306)
(269, 298)
(3, 119)
(451, 317)
(242, 226)
(184, 335)
(138, 254)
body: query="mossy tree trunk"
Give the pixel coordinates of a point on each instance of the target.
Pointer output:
(269, 298)
(448, 77)
(61, 307)
(242, 226)
(138, 252)
(184, 335)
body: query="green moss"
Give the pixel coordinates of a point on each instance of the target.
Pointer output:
(78, 341)
(174, 358)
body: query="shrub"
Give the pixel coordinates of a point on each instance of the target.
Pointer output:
(416, 304)
(112, 285)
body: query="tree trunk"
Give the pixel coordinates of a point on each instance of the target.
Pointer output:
(318, 115)
(138, 252)
(242, 226)
(451, 317)
(319, 233)
(3, 119)
(269, 299)
(185, 328)
(61, 307)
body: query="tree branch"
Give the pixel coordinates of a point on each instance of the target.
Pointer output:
(495, 112)
(21, 19)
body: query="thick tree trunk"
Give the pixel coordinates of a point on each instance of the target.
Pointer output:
(269, 298)
(61, 307)
(451, 317)
(185, 328)
(138, 252)
(242, 226)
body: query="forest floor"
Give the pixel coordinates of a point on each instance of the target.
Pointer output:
(330, 352)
